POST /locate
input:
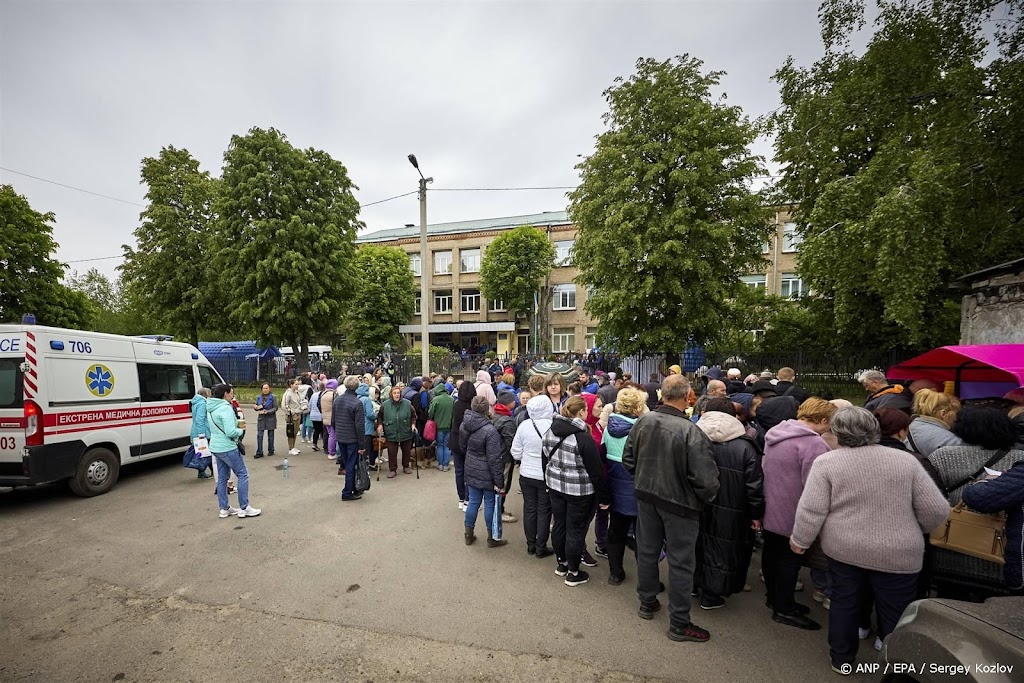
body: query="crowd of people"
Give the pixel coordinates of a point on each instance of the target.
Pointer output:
(698, 477)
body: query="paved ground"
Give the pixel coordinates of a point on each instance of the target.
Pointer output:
(147, 584)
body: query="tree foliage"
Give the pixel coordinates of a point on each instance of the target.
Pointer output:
(30, 278)
(285, 239)
(907, 160)
(515, 266)
(383, 298)
(666, 216)
(112, 310)
(169, 267)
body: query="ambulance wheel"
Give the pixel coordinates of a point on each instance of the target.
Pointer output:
(97, 472)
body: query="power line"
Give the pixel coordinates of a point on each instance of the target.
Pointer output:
(98, 258)
(500, 189)
(381, 201)
(71, 187)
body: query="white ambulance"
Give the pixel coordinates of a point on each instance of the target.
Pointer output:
(78, 405)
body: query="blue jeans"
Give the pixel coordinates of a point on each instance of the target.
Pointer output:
(259, 441)
(475, 496)
(226, 464)
(347, 454)
(305, 432)
(444, 454)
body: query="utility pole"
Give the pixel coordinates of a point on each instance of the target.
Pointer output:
(426, 263)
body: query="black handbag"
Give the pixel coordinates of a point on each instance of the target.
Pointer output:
(289, 429)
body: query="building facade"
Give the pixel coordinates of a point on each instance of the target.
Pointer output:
(459, 316)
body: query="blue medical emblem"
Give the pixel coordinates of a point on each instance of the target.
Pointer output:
(100, 380)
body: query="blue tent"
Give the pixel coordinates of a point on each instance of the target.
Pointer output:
(693, 357)
(237, 361)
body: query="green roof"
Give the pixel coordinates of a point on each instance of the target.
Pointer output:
(538, 219)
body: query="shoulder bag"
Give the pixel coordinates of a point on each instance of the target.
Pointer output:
(973, 533)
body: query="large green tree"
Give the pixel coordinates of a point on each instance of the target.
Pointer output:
(169, 268)
(665, 210)
(285, 240)
(383, 298)
(30, 277)
(515, 267)
(907, 160)
(113, 309)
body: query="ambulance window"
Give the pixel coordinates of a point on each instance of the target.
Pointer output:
(208, 377)
(10, 382)
(166, 382)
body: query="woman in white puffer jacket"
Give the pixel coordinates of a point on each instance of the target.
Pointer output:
(527, 448)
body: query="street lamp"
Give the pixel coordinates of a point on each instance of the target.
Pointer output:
(424, 270)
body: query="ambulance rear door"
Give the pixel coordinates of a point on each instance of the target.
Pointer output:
(12, 410)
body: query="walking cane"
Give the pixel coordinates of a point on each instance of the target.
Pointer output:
(380, 450)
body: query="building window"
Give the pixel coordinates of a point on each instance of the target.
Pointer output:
(470, 301)
(416, 264)
(790, 239)
(767, 247)
(756, 335)
(469, 260)
(418, 310)
(443, 301)
(442, 263)
(591, 340)
(563, 339)
(498, 306)
(755, 281)
(563, 252)
(564, 298)
(792, 286)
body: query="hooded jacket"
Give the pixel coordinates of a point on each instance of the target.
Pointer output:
(529, 439)
(574, 463)
(349, 418)
(466, 393)
(483, 452)
(441, 407)
(772, 412)
(672, 462)
(199, 424)
(483, 387)
(620, 482)
(410, 393)
(893, 396)
(790, 450)
(369, 410)
(223, 424)
(725, 541)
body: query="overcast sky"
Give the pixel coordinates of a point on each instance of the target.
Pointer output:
(486, 94)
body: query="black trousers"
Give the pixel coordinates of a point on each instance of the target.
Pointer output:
(891, 592)
(536, 511)
(618, 532)
(318, 431)
(572, 514)
(780, 567)
(657, 528)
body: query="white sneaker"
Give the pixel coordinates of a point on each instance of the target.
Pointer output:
(249, 511)
(863, 633)
(507, 518)
(331, 457)
(878, 644)
(224, 514)
(294, 451)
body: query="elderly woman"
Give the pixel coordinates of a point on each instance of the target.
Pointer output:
(934, 415)
(266, 420)
(790, 449)
(396, 422)
(989, 438)
(868, 504)
(629, 406)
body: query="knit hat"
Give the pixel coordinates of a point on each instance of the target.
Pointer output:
(675, 370)
(506, 398)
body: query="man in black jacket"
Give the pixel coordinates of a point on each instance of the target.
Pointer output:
(348, 420)
(676, 476)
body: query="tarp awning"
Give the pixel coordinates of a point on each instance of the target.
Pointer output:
(979, 371)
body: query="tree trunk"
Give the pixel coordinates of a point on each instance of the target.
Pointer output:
(302, 355)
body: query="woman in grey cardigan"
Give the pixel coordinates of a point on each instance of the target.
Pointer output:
(934, 415)
(988, 441)
(869, 504)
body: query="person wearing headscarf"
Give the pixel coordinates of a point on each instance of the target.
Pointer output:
(598, 516)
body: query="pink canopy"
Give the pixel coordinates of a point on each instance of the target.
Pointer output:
(983, 370)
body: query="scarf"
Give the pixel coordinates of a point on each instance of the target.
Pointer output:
(592, 422)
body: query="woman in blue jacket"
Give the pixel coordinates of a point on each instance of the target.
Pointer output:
(199, 425)
(630, 404)
(224, 435)
(1005, 492)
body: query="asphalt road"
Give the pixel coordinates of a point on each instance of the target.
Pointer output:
(146, 583)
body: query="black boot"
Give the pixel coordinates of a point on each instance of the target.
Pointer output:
(492, 543)
(470, 536)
